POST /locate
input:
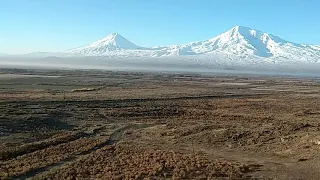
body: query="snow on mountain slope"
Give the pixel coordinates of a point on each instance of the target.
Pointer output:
(316, 47)
(244, 42)
(113, 42)
(42, 54)
(239, 43)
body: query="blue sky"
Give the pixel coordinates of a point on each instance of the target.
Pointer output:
(58, 25)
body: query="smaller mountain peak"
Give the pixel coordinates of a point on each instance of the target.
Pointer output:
(114, 34)
(112, 37)
(241, 28)
(112, 42)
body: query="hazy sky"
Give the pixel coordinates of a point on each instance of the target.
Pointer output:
(58, 25)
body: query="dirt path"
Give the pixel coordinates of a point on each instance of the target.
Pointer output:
(118, 134)
(113, 138)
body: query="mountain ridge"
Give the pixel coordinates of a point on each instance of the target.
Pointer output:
(239, 42)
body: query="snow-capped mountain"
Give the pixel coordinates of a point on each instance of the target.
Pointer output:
(242, 43)
(113, 42)
(239, 43)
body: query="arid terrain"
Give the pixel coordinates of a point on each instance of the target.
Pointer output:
(72, 124)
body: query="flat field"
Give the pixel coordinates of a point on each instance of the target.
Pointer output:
(72, 124)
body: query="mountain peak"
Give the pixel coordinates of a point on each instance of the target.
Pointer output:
(250, 33)
(112, 37)
(247, 41)
(114, 34)
(113, 42)
(238, 28)
(243, 31)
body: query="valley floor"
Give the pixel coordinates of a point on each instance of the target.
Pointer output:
(57, 124)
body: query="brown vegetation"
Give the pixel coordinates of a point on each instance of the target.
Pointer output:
(12, 152)
(47, 156)
(161, 126)
(127, 162)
